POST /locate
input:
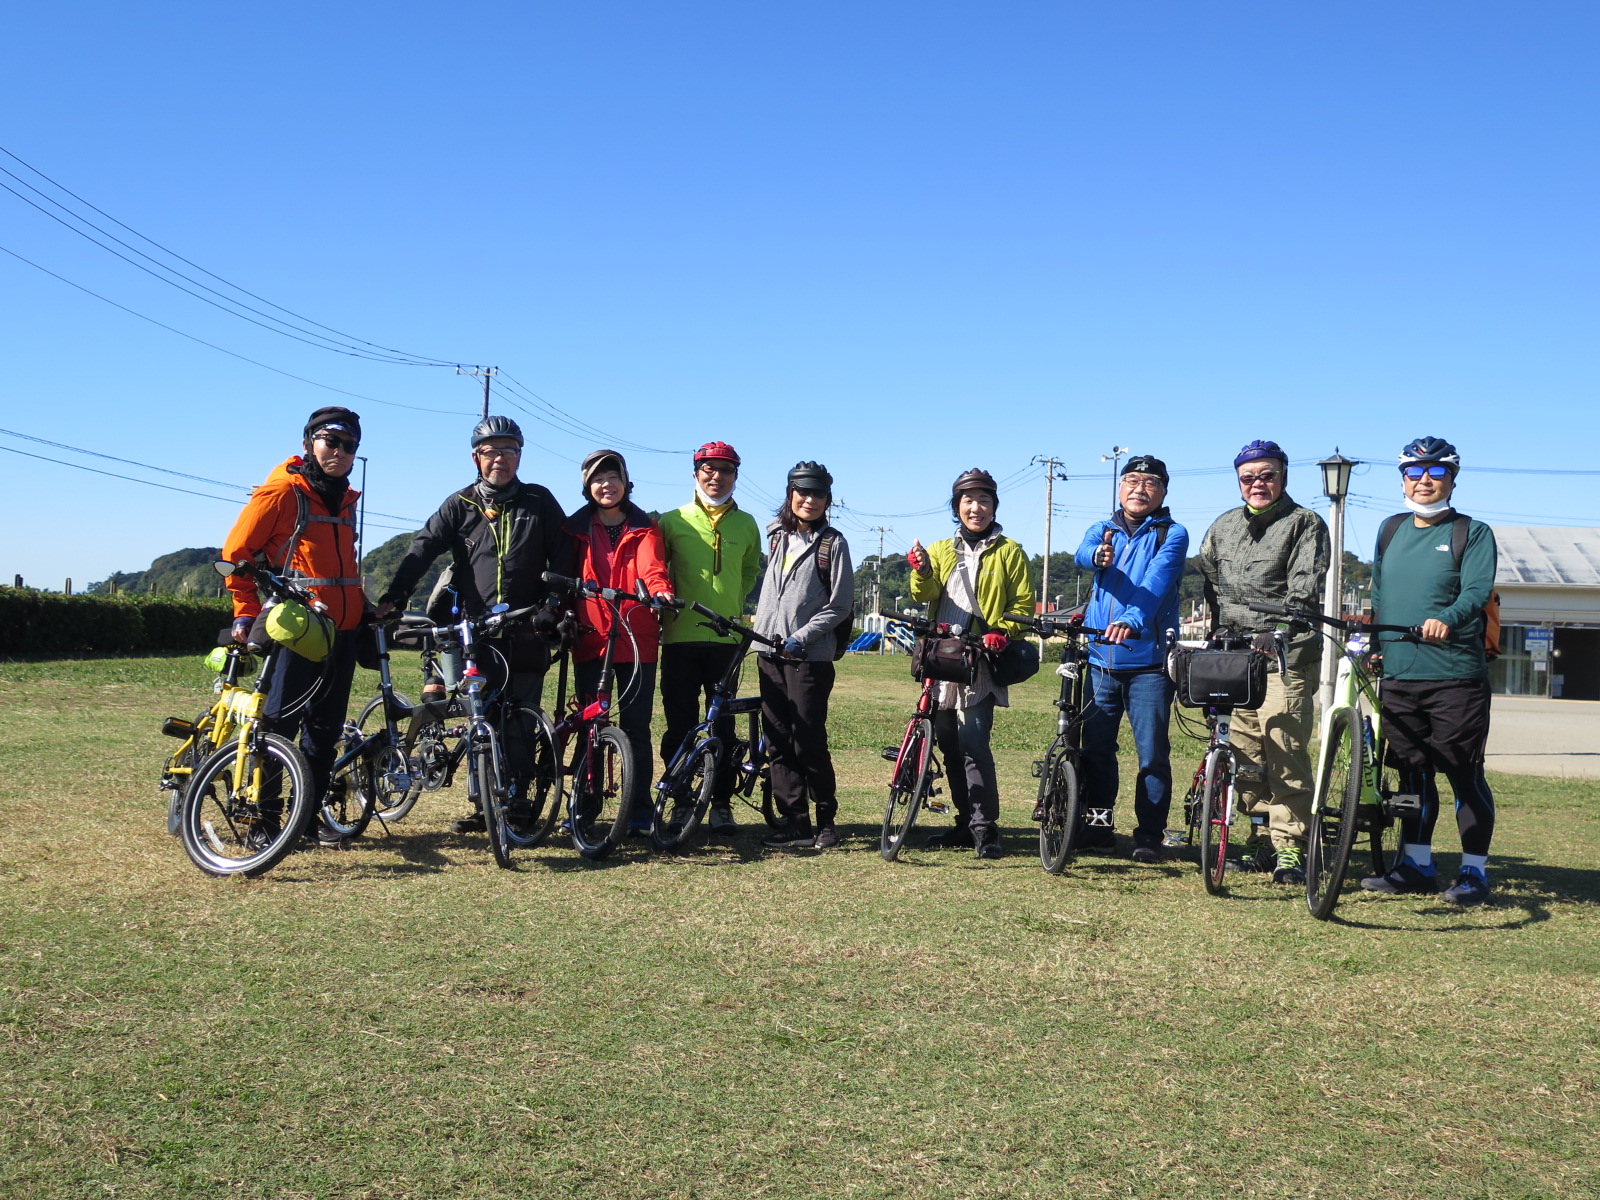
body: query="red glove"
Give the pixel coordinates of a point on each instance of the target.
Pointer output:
(994, 642)
(917, 558)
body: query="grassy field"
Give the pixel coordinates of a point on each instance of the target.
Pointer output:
(401, 1019)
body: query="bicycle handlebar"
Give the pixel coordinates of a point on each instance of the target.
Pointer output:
(727, 627)
(1306, 616)
(588, 587)
(1046, 626)
(275, 585)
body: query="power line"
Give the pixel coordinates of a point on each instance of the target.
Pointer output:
(223, 350)
(354, 343)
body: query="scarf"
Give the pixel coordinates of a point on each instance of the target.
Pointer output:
(496, 498)
(330, 489)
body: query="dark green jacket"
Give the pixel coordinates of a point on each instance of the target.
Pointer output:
(1415, 579)
(1276, 557)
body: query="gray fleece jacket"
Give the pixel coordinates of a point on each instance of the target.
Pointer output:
(1279, 556)
(793, 601)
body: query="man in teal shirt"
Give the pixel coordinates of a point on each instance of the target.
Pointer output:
(713, 556)
(1434, 567)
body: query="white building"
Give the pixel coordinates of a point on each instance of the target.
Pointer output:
(1549, 585)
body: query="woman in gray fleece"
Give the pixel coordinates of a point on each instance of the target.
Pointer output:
(806, 600)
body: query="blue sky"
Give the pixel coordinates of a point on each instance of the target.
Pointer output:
(901, 239)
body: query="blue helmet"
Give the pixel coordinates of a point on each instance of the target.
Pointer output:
(1430, 450)
(1258, 450)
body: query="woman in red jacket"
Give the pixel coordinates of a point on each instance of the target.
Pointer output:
(618, 544)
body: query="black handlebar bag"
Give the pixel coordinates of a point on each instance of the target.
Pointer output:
(949, 659)
(1232, 679)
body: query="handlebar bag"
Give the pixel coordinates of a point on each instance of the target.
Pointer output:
(1231, 679)
(949, 659)
(1017, 662)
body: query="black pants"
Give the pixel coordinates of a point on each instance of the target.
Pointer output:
(794, 714)
(962, 736)
(1441, 725)
(689, 670)
(635, 684)
(311, 698)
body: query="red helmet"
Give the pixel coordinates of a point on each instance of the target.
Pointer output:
(716, 450)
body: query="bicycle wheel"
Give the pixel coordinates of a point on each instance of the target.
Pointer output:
(907, 788)
(397, 774)
(180, 769)
(1060, 802)
(602, 783)
(683, 797)
(242, 817)
(1333, 825)
(1216, 805)
(531, 809)
(488, 783)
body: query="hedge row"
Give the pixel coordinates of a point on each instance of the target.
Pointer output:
(48, 623)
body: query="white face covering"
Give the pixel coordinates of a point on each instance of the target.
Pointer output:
(707, 500)
(1427, 510)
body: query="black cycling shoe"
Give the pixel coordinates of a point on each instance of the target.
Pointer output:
(469, 824)
(959, 838)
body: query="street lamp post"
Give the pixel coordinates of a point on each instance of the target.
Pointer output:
(1335, 486)
(1113, 458)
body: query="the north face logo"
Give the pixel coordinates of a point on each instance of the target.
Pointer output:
(1445, 546)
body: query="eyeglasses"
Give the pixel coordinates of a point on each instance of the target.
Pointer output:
(1262, 477)
(334, 442)
(1141, 483)
(1434, 472)
(714, 468)
(497, 451)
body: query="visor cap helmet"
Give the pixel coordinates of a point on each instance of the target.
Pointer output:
(496, 427)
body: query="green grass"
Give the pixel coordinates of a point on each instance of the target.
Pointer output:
(404, 1020)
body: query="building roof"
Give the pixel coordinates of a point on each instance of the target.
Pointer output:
(1540, 554)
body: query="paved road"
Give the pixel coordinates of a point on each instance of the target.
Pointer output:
(1545, 737)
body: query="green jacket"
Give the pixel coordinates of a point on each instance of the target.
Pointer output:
(1279, 556)
(1003, 582)
(720, 577)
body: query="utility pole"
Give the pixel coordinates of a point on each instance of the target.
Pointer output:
(877, 584)
(1113, 458)
(488, 373)
(1052, 472)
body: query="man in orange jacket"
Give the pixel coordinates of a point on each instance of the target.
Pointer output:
(301, 523)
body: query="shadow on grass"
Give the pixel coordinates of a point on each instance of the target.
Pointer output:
(1523, 891)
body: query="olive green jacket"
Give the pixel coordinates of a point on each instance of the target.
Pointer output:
(1003, 582)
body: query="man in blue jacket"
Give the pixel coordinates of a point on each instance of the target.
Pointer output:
(1137, 557)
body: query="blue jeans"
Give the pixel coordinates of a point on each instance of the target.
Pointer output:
(1146, 698)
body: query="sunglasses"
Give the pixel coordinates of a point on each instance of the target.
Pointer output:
(1263, 477)
(1435, 472)
(334, 442)
(811, 493)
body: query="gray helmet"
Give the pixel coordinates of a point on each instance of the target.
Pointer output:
(495, 427)
(812, 476)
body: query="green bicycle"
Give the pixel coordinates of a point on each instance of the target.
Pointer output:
(1355, 792)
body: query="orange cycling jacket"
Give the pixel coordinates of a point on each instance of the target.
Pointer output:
(323, 555)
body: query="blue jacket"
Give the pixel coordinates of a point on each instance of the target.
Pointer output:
(1139, 589)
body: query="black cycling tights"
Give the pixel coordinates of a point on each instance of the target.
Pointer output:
(1474, 807)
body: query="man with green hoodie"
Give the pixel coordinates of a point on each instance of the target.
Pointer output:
(1271, 550)
(713, 556)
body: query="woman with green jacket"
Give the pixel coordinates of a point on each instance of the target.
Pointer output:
(972, 579)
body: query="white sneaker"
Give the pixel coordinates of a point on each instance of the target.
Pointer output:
(722, 819)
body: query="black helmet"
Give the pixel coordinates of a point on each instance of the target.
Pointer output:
(495, 427)
(812, 476)
(1430, 450)
(976, 479)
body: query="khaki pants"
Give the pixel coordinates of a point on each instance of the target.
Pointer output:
(1283, 723)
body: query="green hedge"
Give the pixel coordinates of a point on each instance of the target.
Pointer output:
(48, 623)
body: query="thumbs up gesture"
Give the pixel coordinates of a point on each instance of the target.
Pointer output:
(918, 558)
(1103, 552)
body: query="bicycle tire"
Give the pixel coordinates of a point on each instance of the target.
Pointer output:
(530, 820)
(1383, 836)
(347, 808)
(389, 803)
(1061, 805)
(690, 786)
(487, 777)
(181, 767)
(602, 792)
(1333, 825)
(1216, 803)
(907, 788)
(225, 830)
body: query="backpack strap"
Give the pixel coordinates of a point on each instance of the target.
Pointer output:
(1386, 533)
(1460, 526)
(826, 545)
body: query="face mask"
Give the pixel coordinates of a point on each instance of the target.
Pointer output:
(707, 500)
(1427, 510)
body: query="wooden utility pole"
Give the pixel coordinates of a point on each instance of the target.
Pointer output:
(1052, 472)
(488, 373)
(877, 585)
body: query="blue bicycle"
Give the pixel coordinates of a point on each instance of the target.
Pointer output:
(685, 791)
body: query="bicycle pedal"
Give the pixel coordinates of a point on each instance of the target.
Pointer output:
(891, 754)
(1038, 768)
(1099, 818)
(1402, 804)
(937, 806)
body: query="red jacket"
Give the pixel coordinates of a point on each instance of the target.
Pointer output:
(326, 548)
(640, 554)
